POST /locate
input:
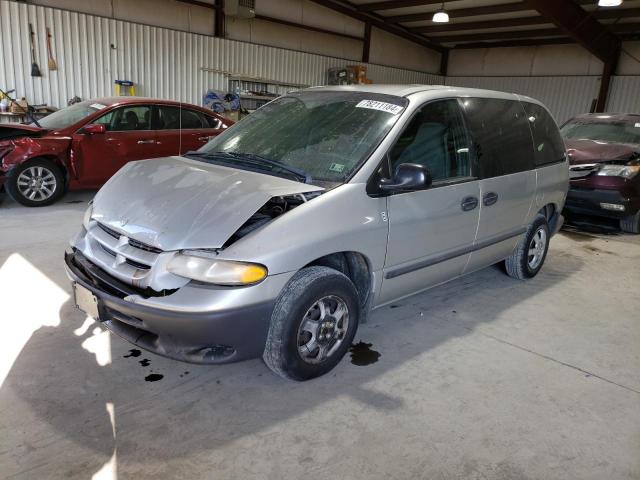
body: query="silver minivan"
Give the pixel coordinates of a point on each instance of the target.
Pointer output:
(278, 237)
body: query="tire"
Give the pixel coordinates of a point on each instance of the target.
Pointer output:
(529, 256)
(48, 184)
(290, 346)
(631, 224)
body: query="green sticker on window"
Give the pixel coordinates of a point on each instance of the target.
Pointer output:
(336, 167)
(541, 147)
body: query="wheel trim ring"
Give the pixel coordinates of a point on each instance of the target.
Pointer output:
(536, 249)
(309, 350)
(36, 183)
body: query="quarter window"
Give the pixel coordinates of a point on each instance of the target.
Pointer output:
(501, 135)
(437, 138)
(547, 142)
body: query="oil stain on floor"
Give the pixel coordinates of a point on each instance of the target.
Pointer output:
(133, 353)
(362, 354)
(145, 362)
(153, 377)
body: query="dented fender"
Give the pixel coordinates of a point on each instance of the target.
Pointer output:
(26, 148)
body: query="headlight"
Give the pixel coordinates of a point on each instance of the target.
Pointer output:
(205, 267)
(619, 171)
(87, 216)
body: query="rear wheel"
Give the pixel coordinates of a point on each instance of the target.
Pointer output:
(631, 224)
(35, 183)
(313, 324)
(528, 257)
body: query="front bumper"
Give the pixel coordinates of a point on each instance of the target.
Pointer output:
(587, 202)
(211, 337)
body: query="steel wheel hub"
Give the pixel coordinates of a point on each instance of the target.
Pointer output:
(323, 329)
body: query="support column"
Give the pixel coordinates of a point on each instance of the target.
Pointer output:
(366, 42)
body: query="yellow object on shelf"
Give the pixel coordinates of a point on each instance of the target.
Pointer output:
(131, 89)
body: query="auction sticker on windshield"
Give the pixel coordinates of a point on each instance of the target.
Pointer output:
(98, 106)
(382, 106)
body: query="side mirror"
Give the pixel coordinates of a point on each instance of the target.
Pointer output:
(94, 128)
(408, 177)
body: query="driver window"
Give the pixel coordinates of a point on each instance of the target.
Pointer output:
(436, 138)
(136, 117)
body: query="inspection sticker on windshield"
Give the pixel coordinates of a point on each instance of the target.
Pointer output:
(336, 167)
(637, 125)
(382, 106)
(98, 106)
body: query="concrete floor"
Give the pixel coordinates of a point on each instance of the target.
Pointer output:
(482, 378)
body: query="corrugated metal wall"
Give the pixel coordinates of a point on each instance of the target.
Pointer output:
(564, 96)
(624, 96)
(93, 51)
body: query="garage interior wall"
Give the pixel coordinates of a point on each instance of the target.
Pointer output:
(92, 51)
(564, 77)
(164, 50)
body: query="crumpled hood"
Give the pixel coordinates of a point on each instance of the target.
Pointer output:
(175, 203)
(15, 130)
(591, 151)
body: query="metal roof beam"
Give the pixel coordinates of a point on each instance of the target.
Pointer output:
(581, 26)
(350, 10)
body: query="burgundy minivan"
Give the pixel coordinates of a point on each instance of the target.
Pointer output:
(604, 154)
(83, 145)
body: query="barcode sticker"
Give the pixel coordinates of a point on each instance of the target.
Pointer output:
(98, 106)
(382, 106)
(637, 125)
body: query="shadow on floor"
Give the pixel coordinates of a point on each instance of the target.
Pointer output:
(185, 413)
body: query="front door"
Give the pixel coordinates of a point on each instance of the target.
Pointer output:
(128, 137)
(431, 232)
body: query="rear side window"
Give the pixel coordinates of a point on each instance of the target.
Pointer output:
(548, 146)
(191, 119)
(501, 135)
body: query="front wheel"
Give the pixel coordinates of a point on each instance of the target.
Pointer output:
(313, 324)
(531, 252)
(35, 183)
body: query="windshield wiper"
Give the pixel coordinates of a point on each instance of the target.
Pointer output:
(255, 160)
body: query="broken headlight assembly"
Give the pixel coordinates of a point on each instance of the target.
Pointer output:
(204, 267)
(87, 216)
(625, 171)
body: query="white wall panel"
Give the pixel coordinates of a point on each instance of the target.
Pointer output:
(624, 96)
(541, 60)
(163, 63)
(564, 96)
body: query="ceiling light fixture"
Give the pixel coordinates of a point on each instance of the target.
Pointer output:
(609, 3)
(441, 16)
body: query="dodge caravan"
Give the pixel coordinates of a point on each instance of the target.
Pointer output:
(279, 236)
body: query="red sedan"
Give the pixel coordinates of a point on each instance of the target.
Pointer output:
(83, 145)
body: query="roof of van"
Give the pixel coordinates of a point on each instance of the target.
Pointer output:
(406, 90)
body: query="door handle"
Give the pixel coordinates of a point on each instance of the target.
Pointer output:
(489, 198)
(141, 142)
(204, 139)
(469, 203)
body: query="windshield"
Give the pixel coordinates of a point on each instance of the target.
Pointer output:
(613, 132)
(324, 134)
(70, 115)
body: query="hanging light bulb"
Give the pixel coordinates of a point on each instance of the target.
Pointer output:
(441, 16)
(609, 3)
